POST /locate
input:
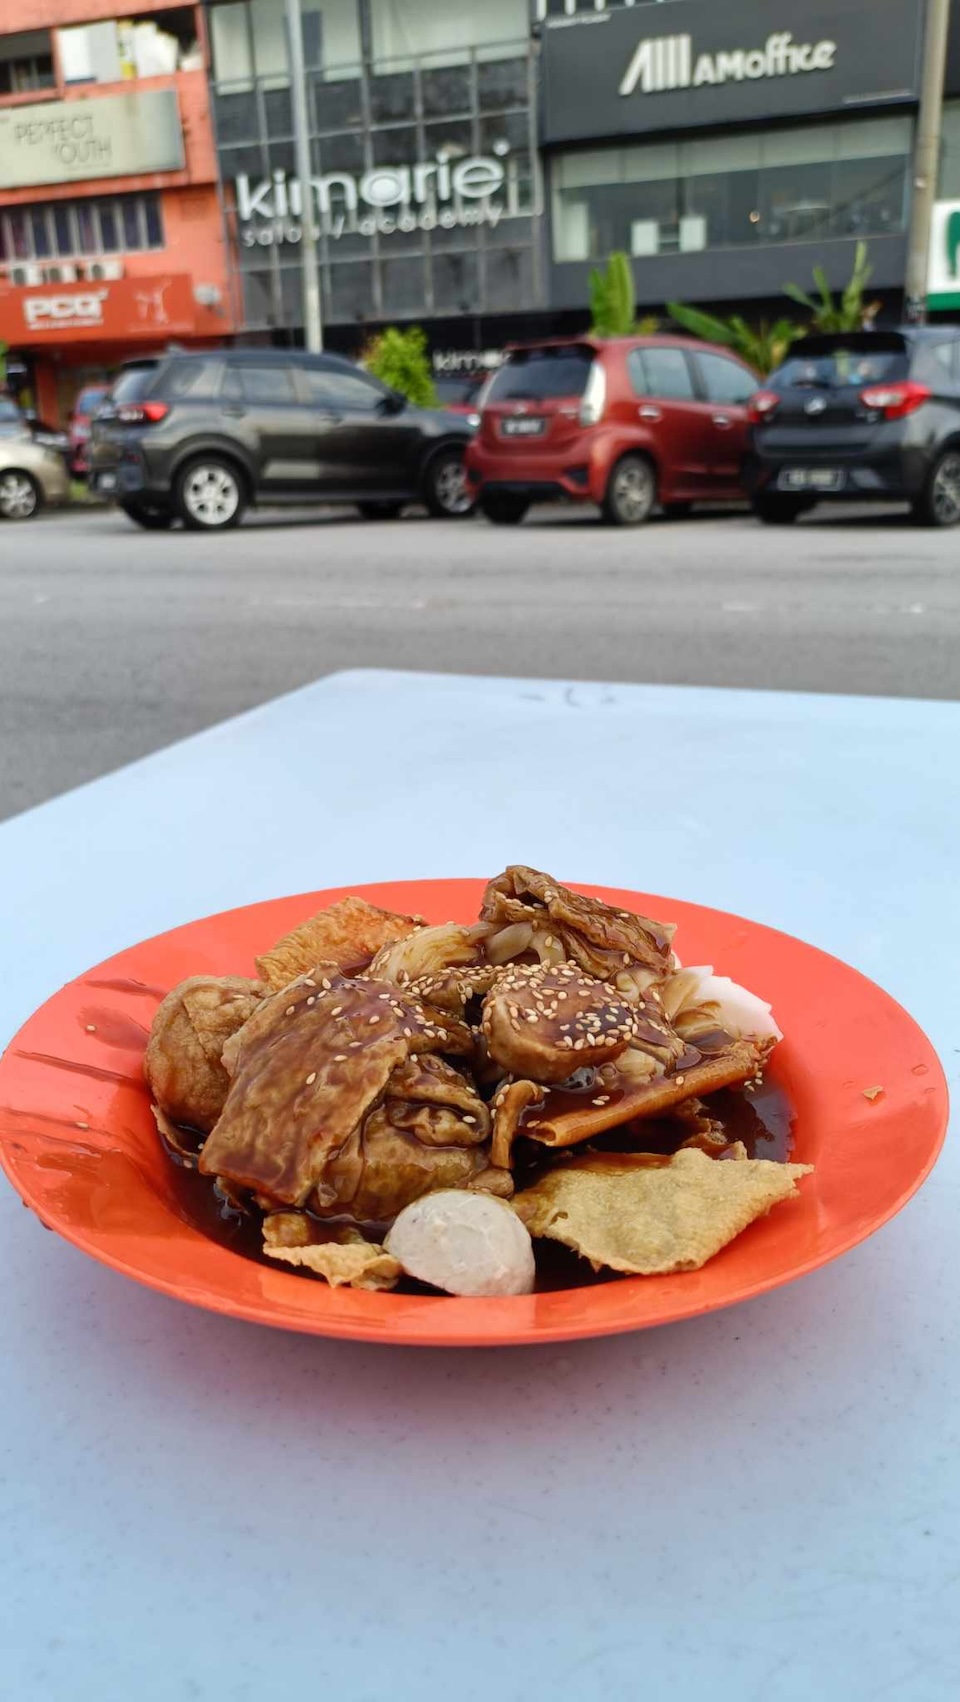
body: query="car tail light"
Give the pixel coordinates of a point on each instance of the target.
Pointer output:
(895, 400)
(142, 413)
(761, 405)
(594, 397)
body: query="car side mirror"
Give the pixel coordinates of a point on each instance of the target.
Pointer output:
(393, 403)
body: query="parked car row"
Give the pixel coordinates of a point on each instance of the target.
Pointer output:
(642, 421)
(630, 425)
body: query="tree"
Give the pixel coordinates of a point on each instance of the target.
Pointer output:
(400, 360)
(612, 297)
(850, 312)
(762, 346)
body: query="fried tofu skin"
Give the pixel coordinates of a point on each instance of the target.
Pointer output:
(647, 1215)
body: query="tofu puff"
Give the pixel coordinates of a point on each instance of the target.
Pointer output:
(341, 1102)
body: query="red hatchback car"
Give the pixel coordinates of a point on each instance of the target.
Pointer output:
(626, 423)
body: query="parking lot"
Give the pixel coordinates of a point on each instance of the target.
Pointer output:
(114, 642)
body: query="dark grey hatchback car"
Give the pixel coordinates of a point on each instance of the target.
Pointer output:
(200, 436)
(869, 415)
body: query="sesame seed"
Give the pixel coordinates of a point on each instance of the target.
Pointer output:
(289, 1010)
(325, 984)
(340, 1057)
(355, 1045)
(312, 999)
(469, 1119)
(373, 1020)
(678, 1080)
(81, 1125)
(311, 1078)
(91, 1028)
(307, 982)
(602, 1100)
(336, 1010)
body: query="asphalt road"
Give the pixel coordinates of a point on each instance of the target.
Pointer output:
(114, 642)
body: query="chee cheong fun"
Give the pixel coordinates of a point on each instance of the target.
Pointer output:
(374, 1062)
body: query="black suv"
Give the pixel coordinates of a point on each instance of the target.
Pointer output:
(875, 414)
(199, 436)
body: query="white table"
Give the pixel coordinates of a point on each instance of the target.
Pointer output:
(759, 1504)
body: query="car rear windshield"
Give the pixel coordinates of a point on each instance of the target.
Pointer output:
(536, 375)
(133, 382)
(861, 361)
(89, 400)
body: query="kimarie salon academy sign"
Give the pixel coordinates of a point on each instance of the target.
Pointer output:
(621, 72)
(425, 195)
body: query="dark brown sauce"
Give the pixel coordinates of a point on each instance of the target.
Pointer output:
(762, 1120)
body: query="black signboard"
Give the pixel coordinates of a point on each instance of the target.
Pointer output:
(646, 68)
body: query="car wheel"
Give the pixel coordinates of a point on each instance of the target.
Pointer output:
(631, 492)
(19, 495)
(504, 508)
(151, 519)
(445, 489)
(209, 494)
(940, 503)
(380, 510)
(677, 510)
(779, 510)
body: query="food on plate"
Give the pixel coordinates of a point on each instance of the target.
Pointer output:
(347, 934)
(392, 1100)
(647, 1215)
(464, 1243)
(183, 1058)
(344, 1257)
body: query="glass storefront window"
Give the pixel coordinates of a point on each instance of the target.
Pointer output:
(795, 185)
(395, 147)
(445, 90)
(339, 153)
(948, 182)
(502, 82)
(350, 293)
(41, 235)
(392, 97)
(404, 285)
(338, 105)
(456, 282)
(409, 29)
(278, 110)
(248, 38)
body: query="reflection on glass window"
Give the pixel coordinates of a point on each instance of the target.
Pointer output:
(407, 29)
(404, 285)
(800, 185)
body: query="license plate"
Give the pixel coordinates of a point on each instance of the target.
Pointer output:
(523, 427)
(810, 479)
(106, 482)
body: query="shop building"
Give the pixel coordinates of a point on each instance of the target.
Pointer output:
(112, 234)
(426, 197)
(729, 148)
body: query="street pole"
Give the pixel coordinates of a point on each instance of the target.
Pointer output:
(312, 311)
(926, 157)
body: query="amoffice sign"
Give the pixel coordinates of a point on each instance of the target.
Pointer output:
(637, 70)
(427, 195)
(659, 63)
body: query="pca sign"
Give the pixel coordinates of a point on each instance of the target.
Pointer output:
(667, 62)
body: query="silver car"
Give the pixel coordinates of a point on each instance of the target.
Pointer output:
(30, 476)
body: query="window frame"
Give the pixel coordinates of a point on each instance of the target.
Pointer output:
(321, 369)
(643, 350)
(702, 355)
(284, 368)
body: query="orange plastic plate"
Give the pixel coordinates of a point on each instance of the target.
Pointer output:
(78, 1142)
